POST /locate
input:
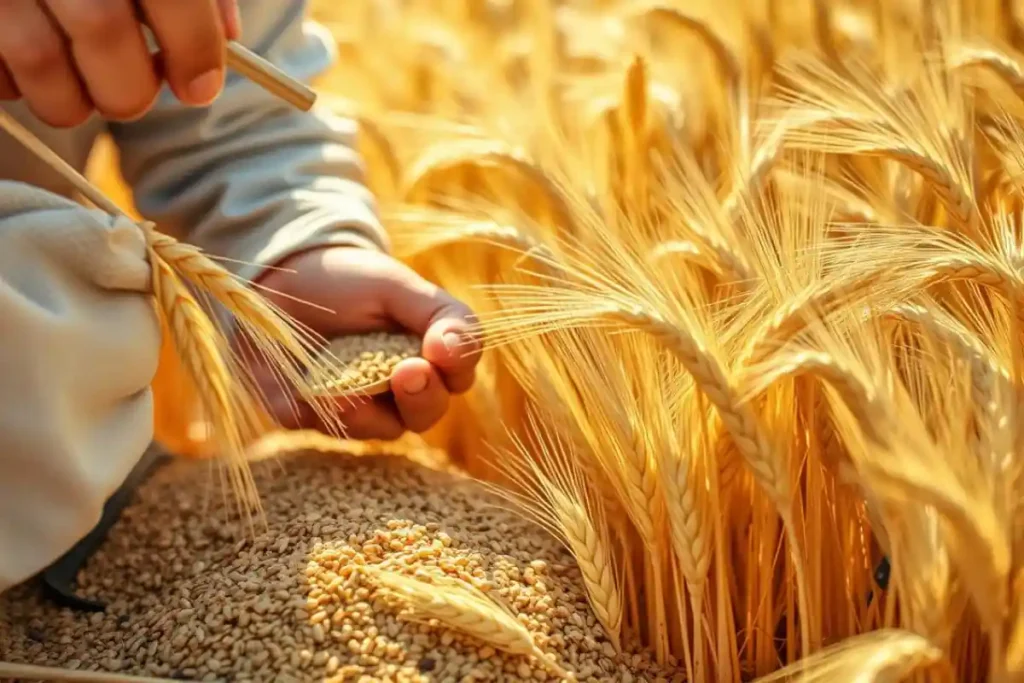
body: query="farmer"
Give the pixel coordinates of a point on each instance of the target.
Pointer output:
(220, 163)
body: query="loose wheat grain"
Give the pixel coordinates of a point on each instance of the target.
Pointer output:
(363, 363)
(187, 597)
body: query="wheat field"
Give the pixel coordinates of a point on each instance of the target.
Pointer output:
(750, 278)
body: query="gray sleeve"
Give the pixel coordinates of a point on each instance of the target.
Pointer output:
(249, 177)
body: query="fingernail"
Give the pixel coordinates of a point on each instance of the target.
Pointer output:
(452, 341)
(415, 384)
(205, 87)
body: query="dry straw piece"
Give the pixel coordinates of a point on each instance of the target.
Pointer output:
(361, 364)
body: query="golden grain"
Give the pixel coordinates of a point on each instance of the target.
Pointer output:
(361, 364)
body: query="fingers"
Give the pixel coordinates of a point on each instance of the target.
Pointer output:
(8, 89)
(191, 38)
(444, 323)
(67, 58)
(111, 55)
(420, 395)
(37, 58)
(448, 345)
(361, 418)
(374, 419)
(231, 18)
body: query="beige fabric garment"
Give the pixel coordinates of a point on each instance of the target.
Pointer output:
(79, 343)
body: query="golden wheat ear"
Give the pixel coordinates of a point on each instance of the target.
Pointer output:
(231, 405)
(883, 655)
(458, 605)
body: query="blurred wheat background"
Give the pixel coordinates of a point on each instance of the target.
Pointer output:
(750, 276)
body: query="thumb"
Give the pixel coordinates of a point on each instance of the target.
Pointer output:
(443, 322)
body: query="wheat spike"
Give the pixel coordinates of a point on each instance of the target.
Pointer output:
(234, 413)
(555, 494)
(688, 194)
(739, 419)
(846, 112)
(849, 208)
(233, 417)
(415, 235)
(1002, 64)
(728, 61)
(984, 364)
(464, 608)
(888, 655)
(854, 390)
(443, 159)
(850, 288)
(687, 251)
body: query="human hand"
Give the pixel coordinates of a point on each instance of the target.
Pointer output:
(365, 291)
(69, 58)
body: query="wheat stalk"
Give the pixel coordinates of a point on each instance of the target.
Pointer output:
(764, 159)
(887, 655)
(462, 607)
(738, 417)
(383, 151)
(1002, 64)
(413, 238)
(555, 495)
(845, 290)
(726, 57)
(984, 555)
(449, 157)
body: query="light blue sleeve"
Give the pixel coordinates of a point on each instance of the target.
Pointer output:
(250, 177)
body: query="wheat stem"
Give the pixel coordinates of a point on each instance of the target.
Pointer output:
(741, 423)
(728, 60)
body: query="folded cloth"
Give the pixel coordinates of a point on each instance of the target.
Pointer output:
(79, 347)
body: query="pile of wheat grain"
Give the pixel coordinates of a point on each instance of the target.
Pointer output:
(188, 599)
